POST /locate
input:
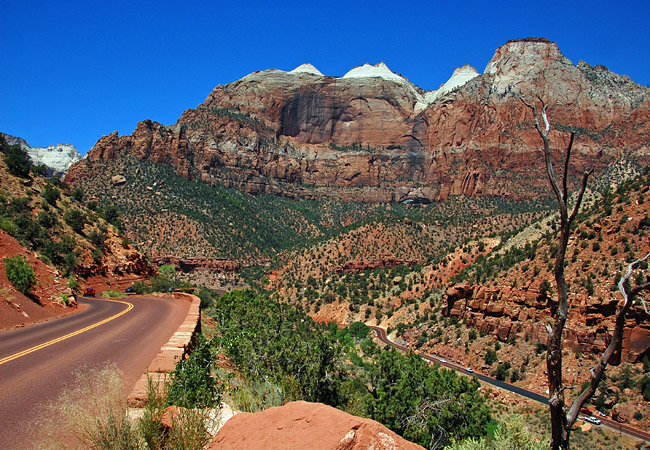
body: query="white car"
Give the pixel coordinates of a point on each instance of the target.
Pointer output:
(593, 420)
(442, 360)
(469, 370)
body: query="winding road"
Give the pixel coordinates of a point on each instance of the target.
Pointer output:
(607, 422)
(39, 362)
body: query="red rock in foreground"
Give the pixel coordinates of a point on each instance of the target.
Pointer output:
(303, 425)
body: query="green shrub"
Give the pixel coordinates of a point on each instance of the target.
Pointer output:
(20, 273)
(644, 385)
(141, 287)
(502, 371)
(70, 262)
(51, 194)
(490, 357)
(16, 158)
(76, 219)
(425, 404)
(78, 195)
(192, 384)
(73, 283)
(98, 239)
(111, 294)
(207, 297)
(46, 220)
(161, 284)
(511, 433)
(111, 215)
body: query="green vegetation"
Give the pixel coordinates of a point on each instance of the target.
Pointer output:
(97, 413)
(20, 273)
(510, 434)
(17, 160)
(51, 194)
(112, 294)
(76, 219)
(277, 347)
(192, 384)
(272, 341)
(425, 404)
(490, 357)
(221, 222)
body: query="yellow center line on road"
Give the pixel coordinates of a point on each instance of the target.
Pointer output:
(67, 336)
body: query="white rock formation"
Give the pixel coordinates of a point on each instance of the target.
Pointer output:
(460, 76)
(307, 68)
(377, 71)
(56, 157)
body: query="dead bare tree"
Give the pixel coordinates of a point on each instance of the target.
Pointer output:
(561, 419)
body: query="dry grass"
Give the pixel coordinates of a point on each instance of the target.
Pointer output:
(90, 415)
(94, 415)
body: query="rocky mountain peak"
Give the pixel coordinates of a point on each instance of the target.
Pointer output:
(371, 135)
(57, 158)
(520, 55)
(460, 76)
(307, 68)
(531, 60)
(380, 70)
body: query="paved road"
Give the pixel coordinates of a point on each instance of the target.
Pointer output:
(609, 423)
(39, 361)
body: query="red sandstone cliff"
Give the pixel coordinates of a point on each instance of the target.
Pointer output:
(384, 139)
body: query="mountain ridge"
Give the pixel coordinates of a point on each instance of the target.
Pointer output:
(369, 139)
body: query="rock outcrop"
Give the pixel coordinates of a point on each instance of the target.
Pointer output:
(507, 312)
(387, 262)
(191, 264)
(56, 158)
(373, 136)
(302, 425)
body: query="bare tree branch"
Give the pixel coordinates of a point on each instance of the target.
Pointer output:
(565, 175)
(547, 152)
(581, 193)
(598, 370)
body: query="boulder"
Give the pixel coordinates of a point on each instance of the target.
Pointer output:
(623, 412)
(118, 180)
(306, 426)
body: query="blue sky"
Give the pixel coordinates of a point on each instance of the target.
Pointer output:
(75, 71)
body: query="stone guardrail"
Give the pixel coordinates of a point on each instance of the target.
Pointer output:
(178, 347)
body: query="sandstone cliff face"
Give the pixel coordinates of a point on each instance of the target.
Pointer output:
(516, 313)
(379, 138)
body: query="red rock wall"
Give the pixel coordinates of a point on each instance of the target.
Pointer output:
(365, 139)
(510, 312)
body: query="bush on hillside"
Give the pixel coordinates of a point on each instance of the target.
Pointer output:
(76, 219)
(51, 194)
(20, 273)
(16, 159)
(192, 384)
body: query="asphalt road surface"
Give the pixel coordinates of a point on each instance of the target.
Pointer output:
(609, 423)
(39, 362)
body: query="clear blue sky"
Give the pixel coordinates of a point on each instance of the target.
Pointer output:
(75, 71)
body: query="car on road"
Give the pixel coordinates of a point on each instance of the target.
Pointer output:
(130, 290)
(593, 420)
(469, 370)
(442, 360)
(89, 292)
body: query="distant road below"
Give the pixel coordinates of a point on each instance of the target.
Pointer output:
(609, 423)
(38, 362)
